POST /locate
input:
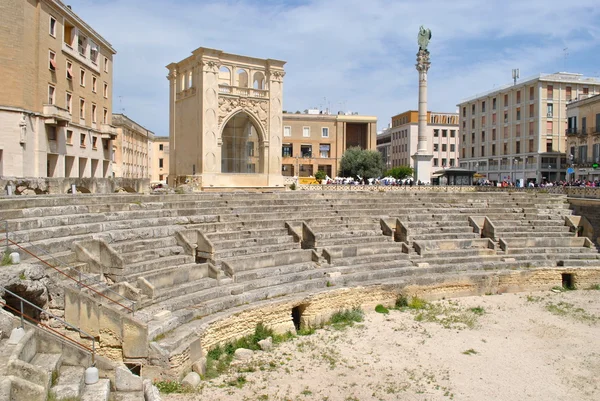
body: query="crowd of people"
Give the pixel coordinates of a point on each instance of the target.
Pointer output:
(372, 181)
(544, 184)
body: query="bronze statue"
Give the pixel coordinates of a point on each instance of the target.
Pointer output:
(423, 38)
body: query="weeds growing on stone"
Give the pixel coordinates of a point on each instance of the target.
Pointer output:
(401, 301)
(568, 309)
(478, 310)
(6, 259)
(345, 318)
(381, 309)
(170, 386)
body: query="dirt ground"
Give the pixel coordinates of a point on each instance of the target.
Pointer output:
(527, 346)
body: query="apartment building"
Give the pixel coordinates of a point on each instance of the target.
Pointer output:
(160, 160)
(384, 146)
(315, 141)
(55, 96)
(517, 132)
(442, 139)
(583, 138)
(131, 149)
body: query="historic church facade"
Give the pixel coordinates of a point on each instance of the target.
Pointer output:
(225, 120)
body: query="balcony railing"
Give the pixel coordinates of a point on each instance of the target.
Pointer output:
(244, 92)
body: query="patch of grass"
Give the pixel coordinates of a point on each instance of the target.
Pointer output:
(568, 309)
(6, 259)
(470, 351)
(381, 309)
(345, 318)
(54, 378)
(306, 331)
(478, 310)
(401, 301)
(449, 315)
(170, 386)
(238, 382)
(595, 287)
(417, 303)
(159, 337)
(329, 284)
(22, 276)
(306, 391)
(531, 298)
(52, 397)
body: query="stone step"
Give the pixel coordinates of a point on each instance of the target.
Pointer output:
(70, 383)
(534, 234)
(266, 215)
(371, 258)
(427, 228)
(270, 259)
(224, 254)
(253, 242)
(256, 274)
(150, 254)
(96, 392)
(246, 233)
(348, 226)
(443, 236)
(367, 241)
(532, 228)
(183, 289)
(354, 250)
(127, 396)
(277, 280)
(346, 233)
(551, 249)
(136, 269)
(372, 266)
(142, 244)
(578, 263)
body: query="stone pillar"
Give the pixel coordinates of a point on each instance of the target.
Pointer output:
(422, 159)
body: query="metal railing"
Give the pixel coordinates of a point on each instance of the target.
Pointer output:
(23, 317)
(81, 275)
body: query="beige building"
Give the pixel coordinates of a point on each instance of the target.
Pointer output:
(225, 120)
(131, 148)
(583, 138)
(160, 160)
(517, 132)
(402, 139)
(55, 93)
(314, 141)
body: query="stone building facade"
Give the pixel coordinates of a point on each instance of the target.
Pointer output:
(517, 132)
(225, 120)
(131, 148)
(313, 141)
(583, 138)
(55, 95)
(160, 160)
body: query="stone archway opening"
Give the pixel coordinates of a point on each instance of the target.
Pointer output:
(568, 281)
(242, 149)
(297, 312)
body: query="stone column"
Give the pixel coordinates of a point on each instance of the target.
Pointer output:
(422, 159)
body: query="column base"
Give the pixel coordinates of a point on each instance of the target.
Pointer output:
(422, 167)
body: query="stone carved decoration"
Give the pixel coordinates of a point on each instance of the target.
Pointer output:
(172, 75)
(423, 62)
(277, 75)
(257, 108)
(210, 66)
(23, 128)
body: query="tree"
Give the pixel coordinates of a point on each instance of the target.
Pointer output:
(400, 172)
(320, 175)
(359, 162)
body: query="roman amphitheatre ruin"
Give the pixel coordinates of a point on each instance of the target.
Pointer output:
(143, 286)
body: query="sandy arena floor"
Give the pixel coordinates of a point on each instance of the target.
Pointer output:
(528, 346)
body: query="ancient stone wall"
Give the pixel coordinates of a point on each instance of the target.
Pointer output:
(589, 208)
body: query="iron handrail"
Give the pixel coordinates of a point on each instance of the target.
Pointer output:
(79, 282)
(23, 315)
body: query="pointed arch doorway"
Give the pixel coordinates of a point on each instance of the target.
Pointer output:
(242, 151)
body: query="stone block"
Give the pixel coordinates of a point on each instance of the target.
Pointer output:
(266, 344)
(151, 393)
(127, 381)
(422, 265)
(200, 366)
(135, 336)
(509, 260)
(243, 354)
(162, 315)
(191, 380)
(334, 274)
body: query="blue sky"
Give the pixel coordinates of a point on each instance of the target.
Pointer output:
(359, 55)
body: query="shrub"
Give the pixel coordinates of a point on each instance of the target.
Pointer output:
(293, 186)
(381, 309)
(417, 303)
(401, 301)
(6, 259)
(320, 175)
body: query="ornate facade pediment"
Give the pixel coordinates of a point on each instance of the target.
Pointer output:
(259, 109)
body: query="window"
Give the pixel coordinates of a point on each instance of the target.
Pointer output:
(82, 109)
(82, 140)
(518, 130)
(286, 150)
(472, 137)
(52, 30)
(81, 44)
(95, 142)
(160, 163)
(505, 117)
(250, 148)
(482, 136)
(452, 133)
(518, 97)
(51, 132)
(464, 111)
(473, 123)
(160, 147)
(505, 149)
(493, 149)
(505, 100)
(586, 91)
(105, 90)
(306, 150)
(190, 80)
(494, 104)
(69, 103)
(325, 132)
(550, 92)
(531, 93)
(517, 147)
(82, 77)
(583, 154)
(482, 150)
(287, 131)
(52, 61)
(444, 133)
(444, 147)
(452, 147)
(550, 111)
(436, 147)
(94, 50)
(483, 107)
(93, 113)
(568, 93)
(94, 83)
(436, 133)
(51, 90)
(105, 117)
(483, 121)
(324, 150)
(505, 132)
(69, 70)
(105, 64)
(69, 137)
(531, 128)
(494, 119)
(531, 111)
(531, 145)
(444, 162)
(451, 162)
(518, 113)
(436, 162)
(493, 134)
(306, 132)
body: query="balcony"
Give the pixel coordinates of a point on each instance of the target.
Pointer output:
(108, 131)
(572, 131)
(55, 115)
(242, 92)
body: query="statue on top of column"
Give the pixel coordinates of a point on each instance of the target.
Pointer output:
(423, 38)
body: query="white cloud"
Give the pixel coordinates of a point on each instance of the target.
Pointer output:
(356, 53)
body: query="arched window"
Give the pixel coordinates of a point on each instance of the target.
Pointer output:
(259, 80)
(241, 151)
(224, 76)
(242, 78)
(190, 82)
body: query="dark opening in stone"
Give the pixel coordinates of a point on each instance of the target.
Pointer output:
(297, 315)
(567, 281)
